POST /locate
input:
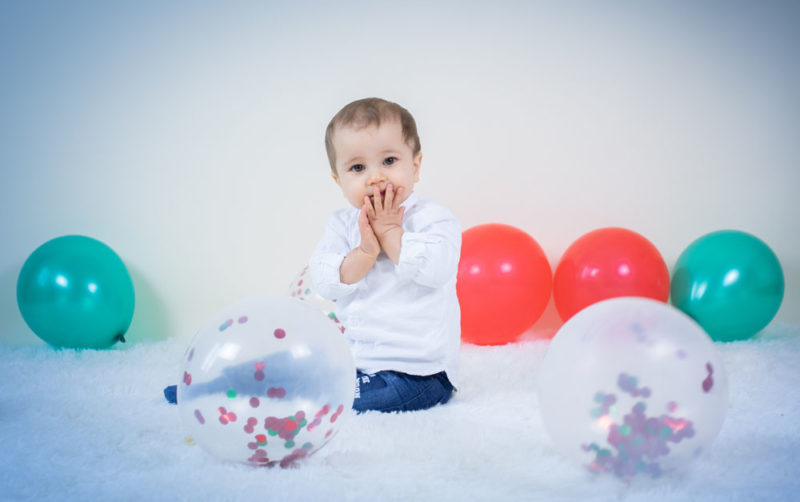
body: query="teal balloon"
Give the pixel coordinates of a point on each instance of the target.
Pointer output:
(75, 292)
(730, 282)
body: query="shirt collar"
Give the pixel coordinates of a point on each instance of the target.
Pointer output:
(411, 201)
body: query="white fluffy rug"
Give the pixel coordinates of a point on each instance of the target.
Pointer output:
(93, 425)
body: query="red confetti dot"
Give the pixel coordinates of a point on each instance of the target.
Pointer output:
(243, 319)
(254, 402)
(276, 392)
(279, 333)
(291, 425)
(261, 438)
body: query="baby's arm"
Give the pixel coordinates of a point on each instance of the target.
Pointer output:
(358, 262)
(326, 261)
(431, 252)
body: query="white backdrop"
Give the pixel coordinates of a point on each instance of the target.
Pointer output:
(188, 136)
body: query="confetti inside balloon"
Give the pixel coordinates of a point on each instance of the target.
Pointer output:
(251, 396)
(303, 289)
(632, 387)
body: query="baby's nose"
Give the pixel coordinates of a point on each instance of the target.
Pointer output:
(376, 177)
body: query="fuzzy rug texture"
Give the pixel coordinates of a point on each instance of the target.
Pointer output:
(93, 425)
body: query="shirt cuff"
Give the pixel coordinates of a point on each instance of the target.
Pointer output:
(327, 279)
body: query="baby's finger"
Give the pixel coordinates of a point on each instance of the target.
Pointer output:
(376, 198)
(363, 220)
(367, 207)
(387, 202)
(397, 196)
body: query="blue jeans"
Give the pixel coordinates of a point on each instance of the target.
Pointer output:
(389, 391)
(386, 391)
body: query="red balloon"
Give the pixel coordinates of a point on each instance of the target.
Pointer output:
(504, 283)
(608, 263)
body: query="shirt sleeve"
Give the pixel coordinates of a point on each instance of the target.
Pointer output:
(327, 259)
(429, 255)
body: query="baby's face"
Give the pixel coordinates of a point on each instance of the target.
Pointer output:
(374, 157)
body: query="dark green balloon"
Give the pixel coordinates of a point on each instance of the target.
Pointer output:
(74, 291)
(730, 282)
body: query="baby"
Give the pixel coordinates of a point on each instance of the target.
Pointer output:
(390, 262)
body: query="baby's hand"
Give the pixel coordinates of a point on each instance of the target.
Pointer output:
(369, 242)
(385, 217)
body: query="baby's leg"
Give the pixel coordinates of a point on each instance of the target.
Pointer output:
(390, 391)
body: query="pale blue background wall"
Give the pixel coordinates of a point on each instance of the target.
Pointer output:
(188, 135)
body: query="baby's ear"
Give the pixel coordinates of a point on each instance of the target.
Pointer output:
(417, 163)
(335, 178)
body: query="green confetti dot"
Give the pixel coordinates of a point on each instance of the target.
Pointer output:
(303, 423)
(272, 432)
(289, 444)
(596, 412)
(665, 432)
(603, 453)
(625, 430)
(332, 315)
(307, 446)
(231, 394)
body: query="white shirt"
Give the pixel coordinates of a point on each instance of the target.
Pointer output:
(402, 317)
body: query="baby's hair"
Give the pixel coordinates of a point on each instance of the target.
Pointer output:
(371, 112)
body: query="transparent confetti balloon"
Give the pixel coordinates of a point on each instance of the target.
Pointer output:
(303, 289)
(632, 387)
(267, 381)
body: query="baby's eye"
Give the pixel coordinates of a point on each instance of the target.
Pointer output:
(357, 168)
(389, 161)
